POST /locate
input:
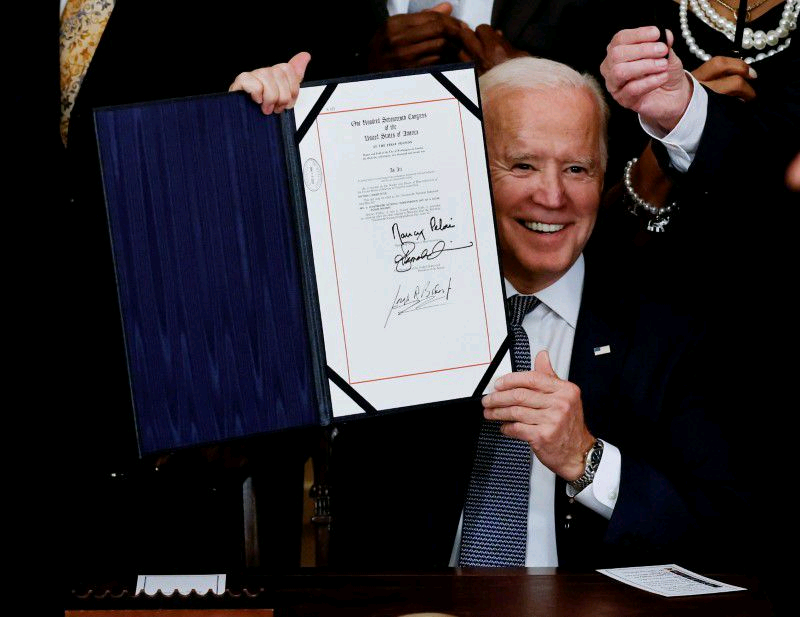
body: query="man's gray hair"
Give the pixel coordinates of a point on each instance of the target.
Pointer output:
(530, 73)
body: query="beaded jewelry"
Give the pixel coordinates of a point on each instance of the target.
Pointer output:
(758, 39)
(660, 216)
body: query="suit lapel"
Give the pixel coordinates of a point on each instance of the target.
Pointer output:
(602, 338)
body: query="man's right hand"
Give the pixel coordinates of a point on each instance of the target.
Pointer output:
(410, 40)
(274, 88)
(646, 76)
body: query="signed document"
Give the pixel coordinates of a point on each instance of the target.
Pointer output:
(403, 237)
(669, 580)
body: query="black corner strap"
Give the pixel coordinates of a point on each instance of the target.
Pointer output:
(462, 98)
(312, 115)
(498, 357)
(350, 391)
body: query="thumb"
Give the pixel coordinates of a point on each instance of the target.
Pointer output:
(299, 62)
(445, 8)
(542, 364)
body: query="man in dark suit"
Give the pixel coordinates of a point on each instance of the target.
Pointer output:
(630, 464)
(725, 161)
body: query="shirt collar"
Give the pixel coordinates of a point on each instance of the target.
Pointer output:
(564, 296)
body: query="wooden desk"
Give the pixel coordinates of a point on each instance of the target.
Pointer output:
(463, 593)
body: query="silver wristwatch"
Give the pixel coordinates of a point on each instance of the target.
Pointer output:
(593, 457)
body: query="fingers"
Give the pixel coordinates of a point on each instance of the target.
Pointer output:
(727, 76)
(629, 53)
(720, 66)
(418, 54)
(260, 85)
(274, 88)
(471, 43)
(633, 36)
(633, 69)
(732, 85)
(299, 62)
(621, 74)
(516, 397)
(631, 94)
(415, 27)
(414, 39)
(488, 35)
(532, 380)
(537, 435)
(486, 47)
(445, 8)
(541, 364)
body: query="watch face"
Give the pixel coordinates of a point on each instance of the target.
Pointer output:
(595, 455)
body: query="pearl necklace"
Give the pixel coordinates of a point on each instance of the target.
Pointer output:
(758, 39)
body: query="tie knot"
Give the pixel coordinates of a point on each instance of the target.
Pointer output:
(519, 306)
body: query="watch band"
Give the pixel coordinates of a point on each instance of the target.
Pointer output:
(593, 457)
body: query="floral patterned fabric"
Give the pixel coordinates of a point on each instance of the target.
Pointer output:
(82, 24)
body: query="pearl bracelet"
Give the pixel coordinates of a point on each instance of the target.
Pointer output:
(660, 216)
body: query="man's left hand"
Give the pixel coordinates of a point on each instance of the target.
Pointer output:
(547, 412)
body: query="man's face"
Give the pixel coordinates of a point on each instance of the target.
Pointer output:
(544, 158)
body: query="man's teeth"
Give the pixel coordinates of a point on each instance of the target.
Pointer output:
(542, 227)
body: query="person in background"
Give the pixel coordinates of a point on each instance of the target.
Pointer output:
(415, 33)
(729, 247)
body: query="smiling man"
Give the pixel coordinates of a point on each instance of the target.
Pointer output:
(545, 127)
(547, 157)
(601, 449)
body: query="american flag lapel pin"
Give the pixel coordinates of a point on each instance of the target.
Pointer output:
(602, 350)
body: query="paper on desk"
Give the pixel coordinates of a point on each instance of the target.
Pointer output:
(182, 583)
(668, 580)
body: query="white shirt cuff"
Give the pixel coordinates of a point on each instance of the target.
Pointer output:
(601, 495)
(682, 141)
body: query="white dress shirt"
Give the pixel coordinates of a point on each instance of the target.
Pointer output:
(551, 326)
(682, 141)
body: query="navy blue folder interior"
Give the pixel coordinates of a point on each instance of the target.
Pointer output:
(208, 273)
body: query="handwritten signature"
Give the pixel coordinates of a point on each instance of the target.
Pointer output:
(408, 256)
(425, 295)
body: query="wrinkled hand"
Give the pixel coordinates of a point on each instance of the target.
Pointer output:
(727, 76)
(415, 39)
(486, 47)
(547, 412)
(274, 88)
(642, 79)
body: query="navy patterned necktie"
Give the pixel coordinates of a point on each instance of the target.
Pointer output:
(495, 527)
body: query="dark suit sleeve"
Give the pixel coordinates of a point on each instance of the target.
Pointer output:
(749, 141)
(680, 492)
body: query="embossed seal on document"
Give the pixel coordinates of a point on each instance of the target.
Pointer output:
(312, 173)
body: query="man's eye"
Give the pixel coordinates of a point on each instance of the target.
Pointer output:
(576, 169)
(523, 166)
